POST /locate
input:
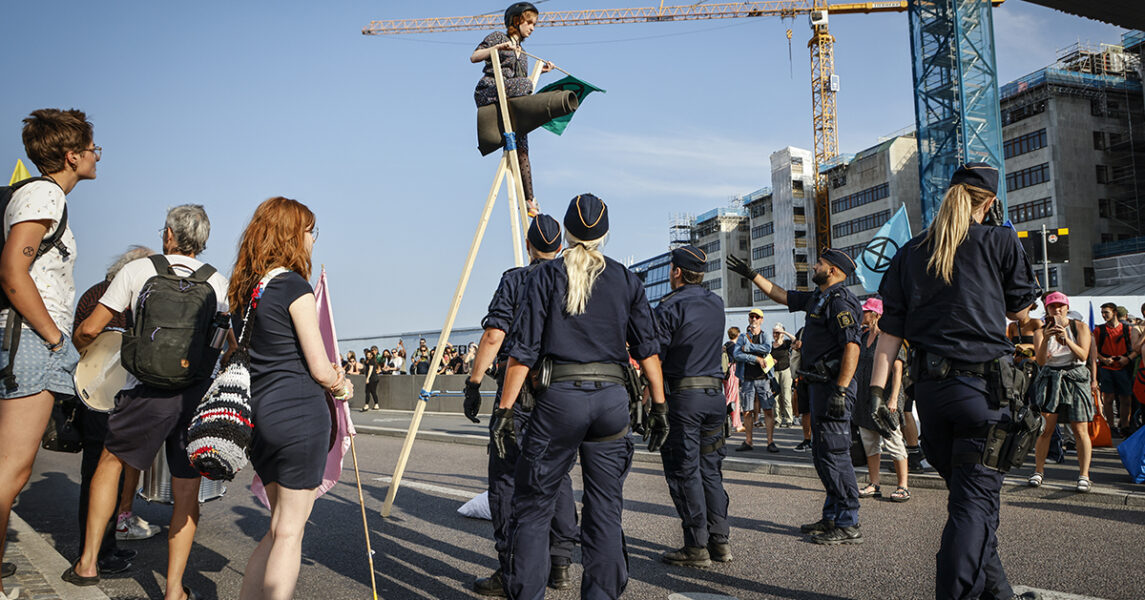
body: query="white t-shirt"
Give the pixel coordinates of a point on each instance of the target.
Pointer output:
(52, 272)
(123, 291)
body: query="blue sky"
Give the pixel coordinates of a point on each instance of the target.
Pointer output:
(228, 103)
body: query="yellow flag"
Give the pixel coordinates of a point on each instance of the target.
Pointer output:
(20, 173)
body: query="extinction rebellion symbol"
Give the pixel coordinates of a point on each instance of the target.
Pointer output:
(877, 257)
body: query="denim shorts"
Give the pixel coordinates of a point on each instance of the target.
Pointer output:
(755, 394)
(38, 369)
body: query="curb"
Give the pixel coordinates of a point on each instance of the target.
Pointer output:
(1013, 487)
(43, 559)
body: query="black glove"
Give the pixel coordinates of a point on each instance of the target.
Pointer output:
(739, 267)
(885, 421)
(837, 405)
(502, 431)
(657, 426)
(472, 402)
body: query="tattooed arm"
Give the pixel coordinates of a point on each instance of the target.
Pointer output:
(15, 262)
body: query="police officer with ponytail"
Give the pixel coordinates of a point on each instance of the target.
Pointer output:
(543, 241)
(578, 312)
(948, 292)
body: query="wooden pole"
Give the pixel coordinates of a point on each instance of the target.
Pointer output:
(365, 525)
(518, 188)
(407, 446)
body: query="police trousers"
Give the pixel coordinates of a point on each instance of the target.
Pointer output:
(831, 453)
(967, 561)
(566, 417)
(693, 464)
(563, 529)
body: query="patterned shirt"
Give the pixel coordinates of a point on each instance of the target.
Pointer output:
(53, 272)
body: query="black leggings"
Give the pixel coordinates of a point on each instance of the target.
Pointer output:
(372, 392)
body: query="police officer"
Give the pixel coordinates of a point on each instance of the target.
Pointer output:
(830, 354)
(577, 314)
(543, 242)
(946, 292)
(691, 322)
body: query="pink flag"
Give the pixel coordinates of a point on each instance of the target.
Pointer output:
(340, 407)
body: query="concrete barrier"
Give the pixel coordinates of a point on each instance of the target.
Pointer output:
(400, 392)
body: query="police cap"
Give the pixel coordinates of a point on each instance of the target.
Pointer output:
(689, 258)
(587, 218)
(545, 233)
(840, 259)
(976, 174)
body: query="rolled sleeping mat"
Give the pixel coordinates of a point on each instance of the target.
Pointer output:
(527, 112)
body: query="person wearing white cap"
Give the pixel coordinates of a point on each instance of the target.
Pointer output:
(781, 342)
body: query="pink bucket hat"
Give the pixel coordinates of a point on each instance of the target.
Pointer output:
(1055, 298)
(874, 305)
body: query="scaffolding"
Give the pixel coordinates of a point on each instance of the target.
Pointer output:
(680, 230)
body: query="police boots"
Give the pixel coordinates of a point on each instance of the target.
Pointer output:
(492, 585)
(688, 556)
(559, 578)
(720, 551)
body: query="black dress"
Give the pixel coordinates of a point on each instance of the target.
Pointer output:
(291, 419)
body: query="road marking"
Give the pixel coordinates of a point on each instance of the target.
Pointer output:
(389, 420)
(699, 596)
(429, 487)
(1051, 594)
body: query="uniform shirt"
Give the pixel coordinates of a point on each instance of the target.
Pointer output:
(690, 322)
(966, 320)
(617, 312)
(832, 322)
(505, 302)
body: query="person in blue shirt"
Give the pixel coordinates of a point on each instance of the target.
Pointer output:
(578, 314)
(690, 321)
(830, 354)
(543, 242)
(948, 292)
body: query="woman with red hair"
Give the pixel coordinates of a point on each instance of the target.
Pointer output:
(290, 375)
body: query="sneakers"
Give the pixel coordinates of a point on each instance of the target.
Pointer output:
(772, 447)
(720, 552)
(839, 535)
(1083, 484)
(1035, 480)
(7, 570)
(133, 527)
(803, 446)
(492, 585)
(112, 565)
(688, 556)
(559, 578)
(820, 526)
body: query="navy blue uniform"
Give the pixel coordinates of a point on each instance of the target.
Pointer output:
(690, 321)
(832, 323)
(569, 414)
(563, 529)
(964, 321)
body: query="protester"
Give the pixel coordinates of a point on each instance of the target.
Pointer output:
(876, 436)
(751, 354)
(419, 363)
(731, 380)
(373, 374)
(40, 288)
(1115, 368)
(946, 291)
(1062, 390)
(149, 417)
(781, 351)
(290, 376)
(399, 359)
(800, 400)
(352, 366)
(386, 363)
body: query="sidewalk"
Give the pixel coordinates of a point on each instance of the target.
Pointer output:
(1111, 483)
(38, 567)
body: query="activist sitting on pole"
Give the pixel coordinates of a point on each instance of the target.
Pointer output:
(520, 20)
(290, 375)
(1062, 388)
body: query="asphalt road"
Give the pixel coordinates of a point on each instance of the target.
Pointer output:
(426, 550)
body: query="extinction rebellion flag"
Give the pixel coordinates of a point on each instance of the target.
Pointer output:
(876, 257)
(576, 86)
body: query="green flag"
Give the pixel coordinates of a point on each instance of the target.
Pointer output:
(576, 86)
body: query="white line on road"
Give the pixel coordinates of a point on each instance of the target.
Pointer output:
(429, 487)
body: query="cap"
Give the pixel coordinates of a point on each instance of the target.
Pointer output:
(544, 233)
(979, 175)
(755, 311)
(517, 8)
(839, 259)
(689, 258)
(1055, 298)
(587, 218)
(778, 327)
(873, 305)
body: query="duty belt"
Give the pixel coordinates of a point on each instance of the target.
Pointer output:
(607, 372)
(695, 383)
(936, 367)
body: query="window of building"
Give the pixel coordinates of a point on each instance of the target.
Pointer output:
(801, 279)
(1024, 178)
(1098, 140)
(797, 211)
(1102, 173)
(1106, 238)
(1035, 209)
(1017, 113)
(1024, 143)
(761, 230)
(768, 271)
(1103, 208)
(857, 199)
(860, 224)
(711, 247)
(763, 252)
(712, 265)
(757, 295)
(714, 284)
(743, 243)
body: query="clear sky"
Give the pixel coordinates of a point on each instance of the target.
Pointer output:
(228, 103)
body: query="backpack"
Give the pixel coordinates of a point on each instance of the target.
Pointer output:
(1103, 334)
(167, 346)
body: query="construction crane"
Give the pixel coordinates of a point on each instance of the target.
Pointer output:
(824, 82)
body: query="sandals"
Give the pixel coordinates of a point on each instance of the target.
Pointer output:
(870, 491)
(900, 495)
(1036, 480)
(1084, 484)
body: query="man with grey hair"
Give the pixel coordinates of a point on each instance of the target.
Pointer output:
(145, 416)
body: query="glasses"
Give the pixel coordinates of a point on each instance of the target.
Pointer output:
(314, 233)
(96, 150)
(754, 317)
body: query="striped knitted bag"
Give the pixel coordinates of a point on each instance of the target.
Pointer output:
(219, 436)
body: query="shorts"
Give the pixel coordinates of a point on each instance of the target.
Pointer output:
(874, 443)
(1119, 382)
(37, 369)
(755, 394)
(144, 417)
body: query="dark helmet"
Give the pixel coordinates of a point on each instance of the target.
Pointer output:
(518, 8)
